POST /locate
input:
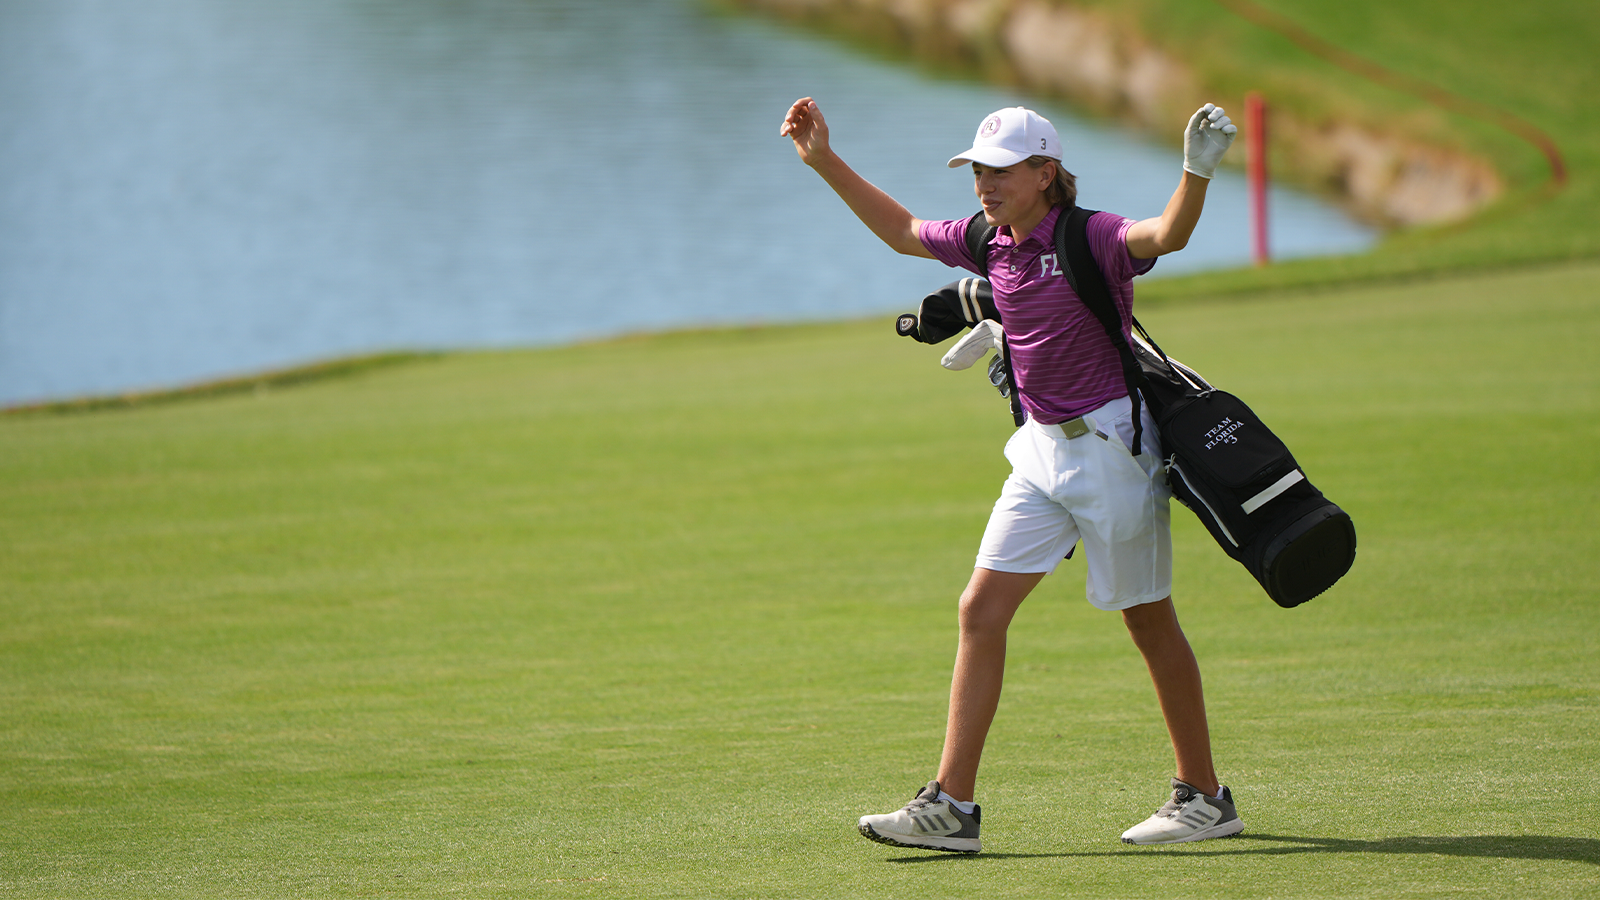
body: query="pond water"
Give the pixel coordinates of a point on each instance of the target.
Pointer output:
(192, 189)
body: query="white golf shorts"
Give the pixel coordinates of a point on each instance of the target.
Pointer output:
(1092, 488)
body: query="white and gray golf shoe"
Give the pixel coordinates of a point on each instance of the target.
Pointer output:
(926, 823)
(1189, 816)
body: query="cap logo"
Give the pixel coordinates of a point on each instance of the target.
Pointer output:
(989, 127)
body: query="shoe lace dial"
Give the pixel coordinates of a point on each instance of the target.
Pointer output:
(1171, 808)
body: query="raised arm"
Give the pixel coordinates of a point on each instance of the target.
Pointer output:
(1209, 135)
(877, 210)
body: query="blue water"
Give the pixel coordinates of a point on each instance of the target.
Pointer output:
(192, 189)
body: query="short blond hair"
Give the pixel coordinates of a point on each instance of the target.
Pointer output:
(1063, 189)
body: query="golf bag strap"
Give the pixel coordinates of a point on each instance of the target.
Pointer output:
(979, 234)
(1083, 273)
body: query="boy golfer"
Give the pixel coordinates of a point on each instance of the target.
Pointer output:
(1075, 473)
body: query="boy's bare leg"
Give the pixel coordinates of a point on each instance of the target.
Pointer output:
(987, 606)
(1176, 674)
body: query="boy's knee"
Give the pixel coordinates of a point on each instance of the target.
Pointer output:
(1149, 621)
(980, 613)
(992, 598)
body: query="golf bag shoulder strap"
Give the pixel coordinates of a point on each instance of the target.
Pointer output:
(1083, 273)
(979, 234)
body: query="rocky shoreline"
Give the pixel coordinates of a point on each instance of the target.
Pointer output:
(1113, 71)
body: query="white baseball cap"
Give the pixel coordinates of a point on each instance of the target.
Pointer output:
(1010, 136)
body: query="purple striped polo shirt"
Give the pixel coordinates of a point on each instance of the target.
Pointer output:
(1064, 363)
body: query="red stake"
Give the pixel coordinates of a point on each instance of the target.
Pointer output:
(1255, 115)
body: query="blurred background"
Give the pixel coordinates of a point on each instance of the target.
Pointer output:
(194, 189)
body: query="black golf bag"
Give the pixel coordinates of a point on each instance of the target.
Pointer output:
(1244, 485)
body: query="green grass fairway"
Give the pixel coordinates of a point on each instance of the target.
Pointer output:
(661, 617)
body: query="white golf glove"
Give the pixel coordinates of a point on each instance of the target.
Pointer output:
(1209, 135)
(985, 336)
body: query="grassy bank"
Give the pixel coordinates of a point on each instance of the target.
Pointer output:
(1532, 60)
(661, 617)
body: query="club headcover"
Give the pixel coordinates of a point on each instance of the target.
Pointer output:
(985, 336)
(957, 305)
